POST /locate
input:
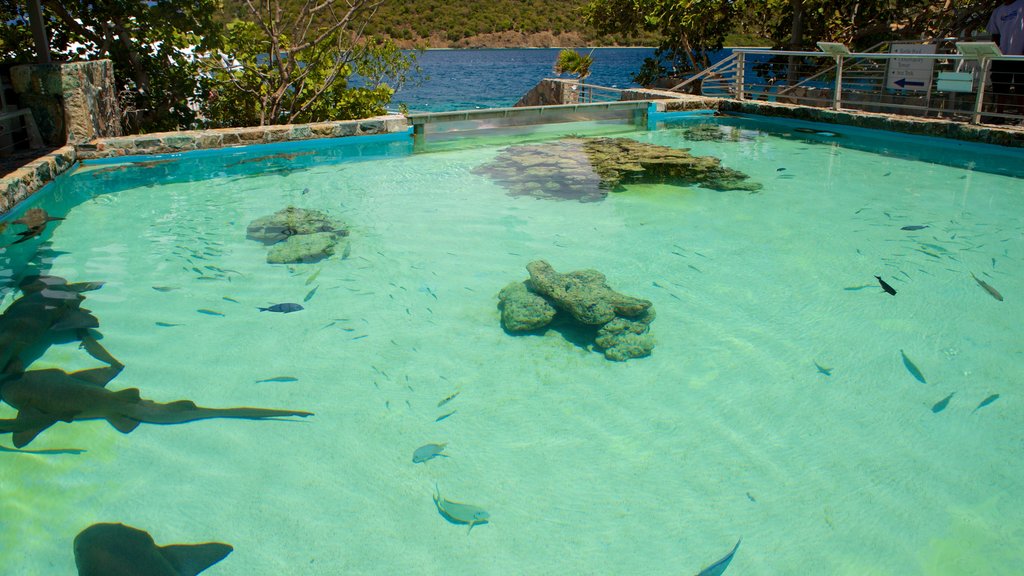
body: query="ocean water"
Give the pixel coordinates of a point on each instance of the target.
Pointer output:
(495, 78)
(657, 465)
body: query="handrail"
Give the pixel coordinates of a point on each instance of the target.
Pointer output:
(870, 50)
(707, 71)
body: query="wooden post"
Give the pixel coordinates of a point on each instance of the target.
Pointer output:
(38, 25)
(980, 100)
(741, 66)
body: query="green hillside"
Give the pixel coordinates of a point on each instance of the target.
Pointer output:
(475, 23)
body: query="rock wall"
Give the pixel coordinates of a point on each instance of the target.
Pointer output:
(26, 180)
(550, 92)
(71, 102)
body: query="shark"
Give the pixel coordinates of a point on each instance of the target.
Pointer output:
(45, 397)
(49, 309)
(120, 550)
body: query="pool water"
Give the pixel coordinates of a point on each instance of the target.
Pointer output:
(656, 465)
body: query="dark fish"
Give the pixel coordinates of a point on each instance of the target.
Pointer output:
(278, 379)
(986, 402)
(209, 312)
(439, 418)
(779, 169)
(164, 288)
(914, 227)
(309, 295)
(45, 397)
(823, 370)
(166, 324)
(428, 452)
(941, 404)
(284, 308)
(718, 568)
(912, 368)
(852, 288)
(119, 550)
(885, 286)
(992, 291)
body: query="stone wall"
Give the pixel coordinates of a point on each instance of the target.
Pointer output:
(937, 127)
(26, 180)
(71, 102)
(550, 92)
(171, 142)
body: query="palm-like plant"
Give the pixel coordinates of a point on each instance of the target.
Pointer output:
(570, 61)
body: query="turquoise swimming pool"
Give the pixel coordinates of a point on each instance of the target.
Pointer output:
(782, 397)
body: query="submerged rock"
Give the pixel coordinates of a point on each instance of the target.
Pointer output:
(712, 132)
(583, 294)
(522, 310)
(583, 298)
(587, 169)
(297, 235)
(304, 248)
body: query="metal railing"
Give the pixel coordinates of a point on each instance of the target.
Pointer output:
(951, 86)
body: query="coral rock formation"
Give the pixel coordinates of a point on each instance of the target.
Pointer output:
(297, 235)
(621, 323)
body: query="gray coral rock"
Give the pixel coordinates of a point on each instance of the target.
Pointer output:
(297, 235)
(624, 338)
(522, 310)
(583, 294)
(304, 248)
(586, 169)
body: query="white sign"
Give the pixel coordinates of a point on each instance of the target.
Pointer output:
(910, 73)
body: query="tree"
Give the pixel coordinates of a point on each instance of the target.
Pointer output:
(303, 63)
(152, 45)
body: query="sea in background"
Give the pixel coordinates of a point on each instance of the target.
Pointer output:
(496, 78)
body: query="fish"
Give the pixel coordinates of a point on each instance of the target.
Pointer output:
(45, 397)
(439, 418)
(992, 291)
(229, 299)
(284, 308)
(210, 312)
(718, 568)
(823, 370)
(309, 295)
(278, 379)
(912, 368)
(986, 402)
(780, 169)
(861, 287)
(449, 398)
(47, 310)
(164, 288)
(428, 452)
(35, 217)
(886, 286)
(941, 404)
(166, 324)
(459, 513)
(120, 550)
(313, 276)
(47, 452)
(914, 227)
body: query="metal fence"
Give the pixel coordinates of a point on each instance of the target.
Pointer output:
(910, 80)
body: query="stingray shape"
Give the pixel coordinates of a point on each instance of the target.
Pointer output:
(45, 397)
(119, 550)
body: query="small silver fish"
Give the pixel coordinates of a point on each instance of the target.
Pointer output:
(279, 379)
(449, 398)
(822, 369)
(986, 402)
(428, 452)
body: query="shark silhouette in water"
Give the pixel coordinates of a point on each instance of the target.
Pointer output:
(119, 550)
(48, 310)
(45, 397)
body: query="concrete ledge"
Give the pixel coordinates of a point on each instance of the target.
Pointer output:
(1011, 137)
(171, 142)
(28, 179)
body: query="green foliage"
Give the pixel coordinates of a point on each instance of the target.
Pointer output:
(145, 40)
(298, 66)
(572, 62)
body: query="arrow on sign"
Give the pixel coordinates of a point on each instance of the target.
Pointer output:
(903, 83)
